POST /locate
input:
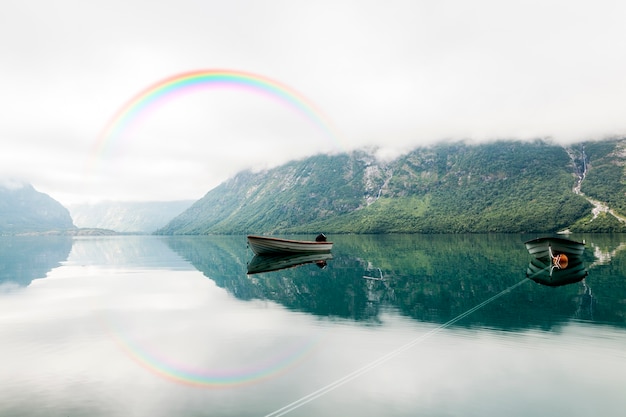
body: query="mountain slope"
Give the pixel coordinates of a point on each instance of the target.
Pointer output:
(26, 210)
(127, 217)
(603, 183)
(296, 193)
(499, 187)
(505, 186)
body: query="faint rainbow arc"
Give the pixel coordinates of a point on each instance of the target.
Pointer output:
(206, 78)
(284, 361)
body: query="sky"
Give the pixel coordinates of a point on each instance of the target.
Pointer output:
(388, 76)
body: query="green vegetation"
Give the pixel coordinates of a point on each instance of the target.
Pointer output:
(603, 223)
(296, 193)
(387, 215)
(431, 278)
(506, 187)
(606, 179)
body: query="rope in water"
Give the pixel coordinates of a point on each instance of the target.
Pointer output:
(355, 374)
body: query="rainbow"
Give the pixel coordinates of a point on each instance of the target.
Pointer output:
(184, 374)
(173, 85)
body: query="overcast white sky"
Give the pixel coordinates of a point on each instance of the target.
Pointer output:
(393, 74)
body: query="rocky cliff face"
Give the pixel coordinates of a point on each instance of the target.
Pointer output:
(26, 210)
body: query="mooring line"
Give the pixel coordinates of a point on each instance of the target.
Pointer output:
(355, 374)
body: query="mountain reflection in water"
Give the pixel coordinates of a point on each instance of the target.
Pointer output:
(392, 325)
(25, 258)
(431, 278)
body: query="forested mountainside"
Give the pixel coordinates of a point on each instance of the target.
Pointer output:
(26, 210)
(505, 186)
(127, 217)
(604, 184)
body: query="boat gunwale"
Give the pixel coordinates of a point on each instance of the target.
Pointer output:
(539, 240)
(277, 239)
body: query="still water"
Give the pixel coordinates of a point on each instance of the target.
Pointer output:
(390, 326)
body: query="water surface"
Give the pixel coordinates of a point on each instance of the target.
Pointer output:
(398, 325)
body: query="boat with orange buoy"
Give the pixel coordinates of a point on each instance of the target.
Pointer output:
(556, 261)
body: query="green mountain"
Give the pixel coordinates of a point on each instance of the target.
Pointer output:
(26, 210)
(505, 186)
(605, 185)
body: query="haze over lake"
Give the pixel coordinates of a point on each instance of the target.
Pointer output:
(394, 325)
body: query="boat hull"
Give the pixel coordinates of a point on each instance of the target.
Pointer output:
(262, 245)
(547, 274)
(540, 247)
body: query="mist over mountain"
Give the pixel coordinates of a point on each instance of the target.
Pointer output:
(26, 210)
(127, 217)
(504, 186)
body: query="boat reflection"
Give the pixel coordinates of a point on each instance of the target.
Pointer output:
(544, 272)
(269, 263)
(414, 275)
(555, 261)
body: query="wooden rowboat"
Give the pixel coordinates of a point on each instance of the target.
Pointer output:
(545, 247)
(263, 245)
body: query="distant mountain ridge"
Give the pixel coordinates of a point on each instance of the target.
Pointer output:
(26, 210)
(505, 186)
(127, 217)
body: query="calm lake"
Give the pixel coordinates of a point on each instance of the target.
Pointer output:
(399, 325)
